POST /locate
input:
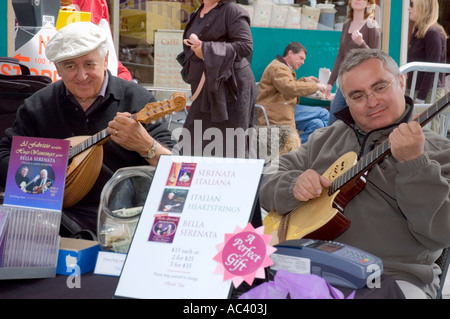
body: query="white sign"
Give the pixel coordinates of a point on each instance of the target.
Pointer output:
(32, 54)
(192, 203)
(109, 263)
(168, 44)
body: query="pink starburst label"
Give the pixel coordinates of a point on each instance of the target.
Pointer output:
(244, 254)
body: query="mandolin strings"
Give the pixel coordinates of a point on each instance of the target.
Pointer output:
(381, 150)
(150, 113)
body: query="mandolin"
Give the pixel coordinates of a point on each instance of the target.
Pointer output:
(42, 188)
(323, 217)
(86, 152)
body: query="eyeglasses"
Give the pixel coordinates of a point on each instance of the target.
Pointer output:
(360, 98)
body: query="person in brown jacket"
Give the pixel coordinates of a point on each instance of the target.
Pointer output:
(279, 90)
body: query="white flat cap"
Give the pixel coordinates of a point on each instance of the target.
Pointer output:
(75, 40)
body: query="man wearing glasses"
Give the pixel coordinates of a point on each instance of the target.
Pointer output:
(402, 213)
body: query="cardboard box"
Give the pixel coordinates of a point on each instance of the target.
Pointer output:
(67, 17)
(76, 255)
(310, 18)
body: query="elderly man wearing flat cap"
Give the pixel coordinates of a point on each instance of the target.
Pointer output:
(87, 100)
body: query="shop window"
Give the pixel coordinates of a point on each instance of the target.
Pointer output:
(139, 24)
(141, 20)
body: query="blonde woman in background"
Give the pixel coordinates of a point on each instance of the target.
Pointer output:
(360, 31)
(428, 43)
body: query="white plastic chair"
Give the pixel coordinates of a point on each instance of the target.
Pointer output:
(436, 68)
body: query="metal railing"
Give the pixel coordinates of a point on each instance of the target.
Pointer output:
(436, 68)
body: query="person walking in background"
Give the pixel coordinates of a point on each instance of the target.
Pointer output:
(428, 43)
(218, 45)
(359, 31)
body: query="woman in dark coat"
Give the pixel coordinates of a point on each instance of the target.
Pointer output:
(428, 43)
(218, 43)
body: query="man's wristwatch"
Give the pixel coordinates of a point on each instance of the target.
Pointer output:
(152, 151)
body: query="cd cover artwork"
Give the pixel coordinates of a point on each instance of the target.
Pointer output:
(164, 228)
(181, 174)
(173, 200)
(37, 172)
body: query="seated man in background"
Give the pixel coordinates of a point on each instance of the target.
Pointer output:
(86, 101)
(279, 90)
(402, 214)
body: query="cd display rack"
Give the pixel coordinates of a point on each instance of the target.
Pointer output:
(29, 242)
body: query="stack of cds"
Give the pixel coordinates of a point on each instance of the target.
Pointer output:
(3, 223)
(30, 239)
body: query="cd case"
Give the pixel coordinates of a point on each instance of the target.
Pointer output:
(29, 242)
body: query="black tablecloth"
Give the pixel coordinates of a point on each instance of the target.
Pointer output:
(103, 287)
(91, 287)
